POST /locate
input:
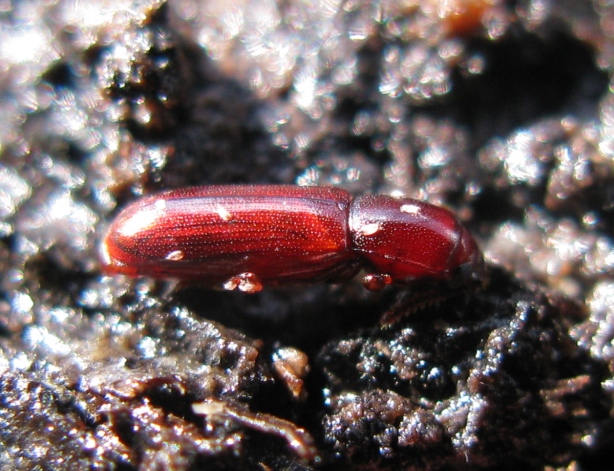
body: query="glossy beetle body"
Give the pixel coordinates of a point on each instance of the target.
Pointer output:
(247, 236)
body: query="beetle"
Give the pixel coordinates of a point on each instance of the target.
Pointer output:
(249, 236)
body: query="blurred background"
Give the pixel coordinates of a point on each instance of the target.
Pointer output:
(502, 111)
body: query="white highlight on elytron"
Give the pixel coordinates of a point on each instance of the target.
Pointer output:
(141, 220)
(223, 213)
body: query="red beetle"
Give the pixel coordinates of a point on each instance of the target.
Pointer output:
(247, 236)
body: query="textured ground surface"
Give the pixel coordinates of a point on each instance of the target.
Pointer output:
(502, 111)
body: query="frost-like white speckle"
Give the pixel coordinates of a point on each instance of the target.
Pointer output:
(13, 191)
(22, 303)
